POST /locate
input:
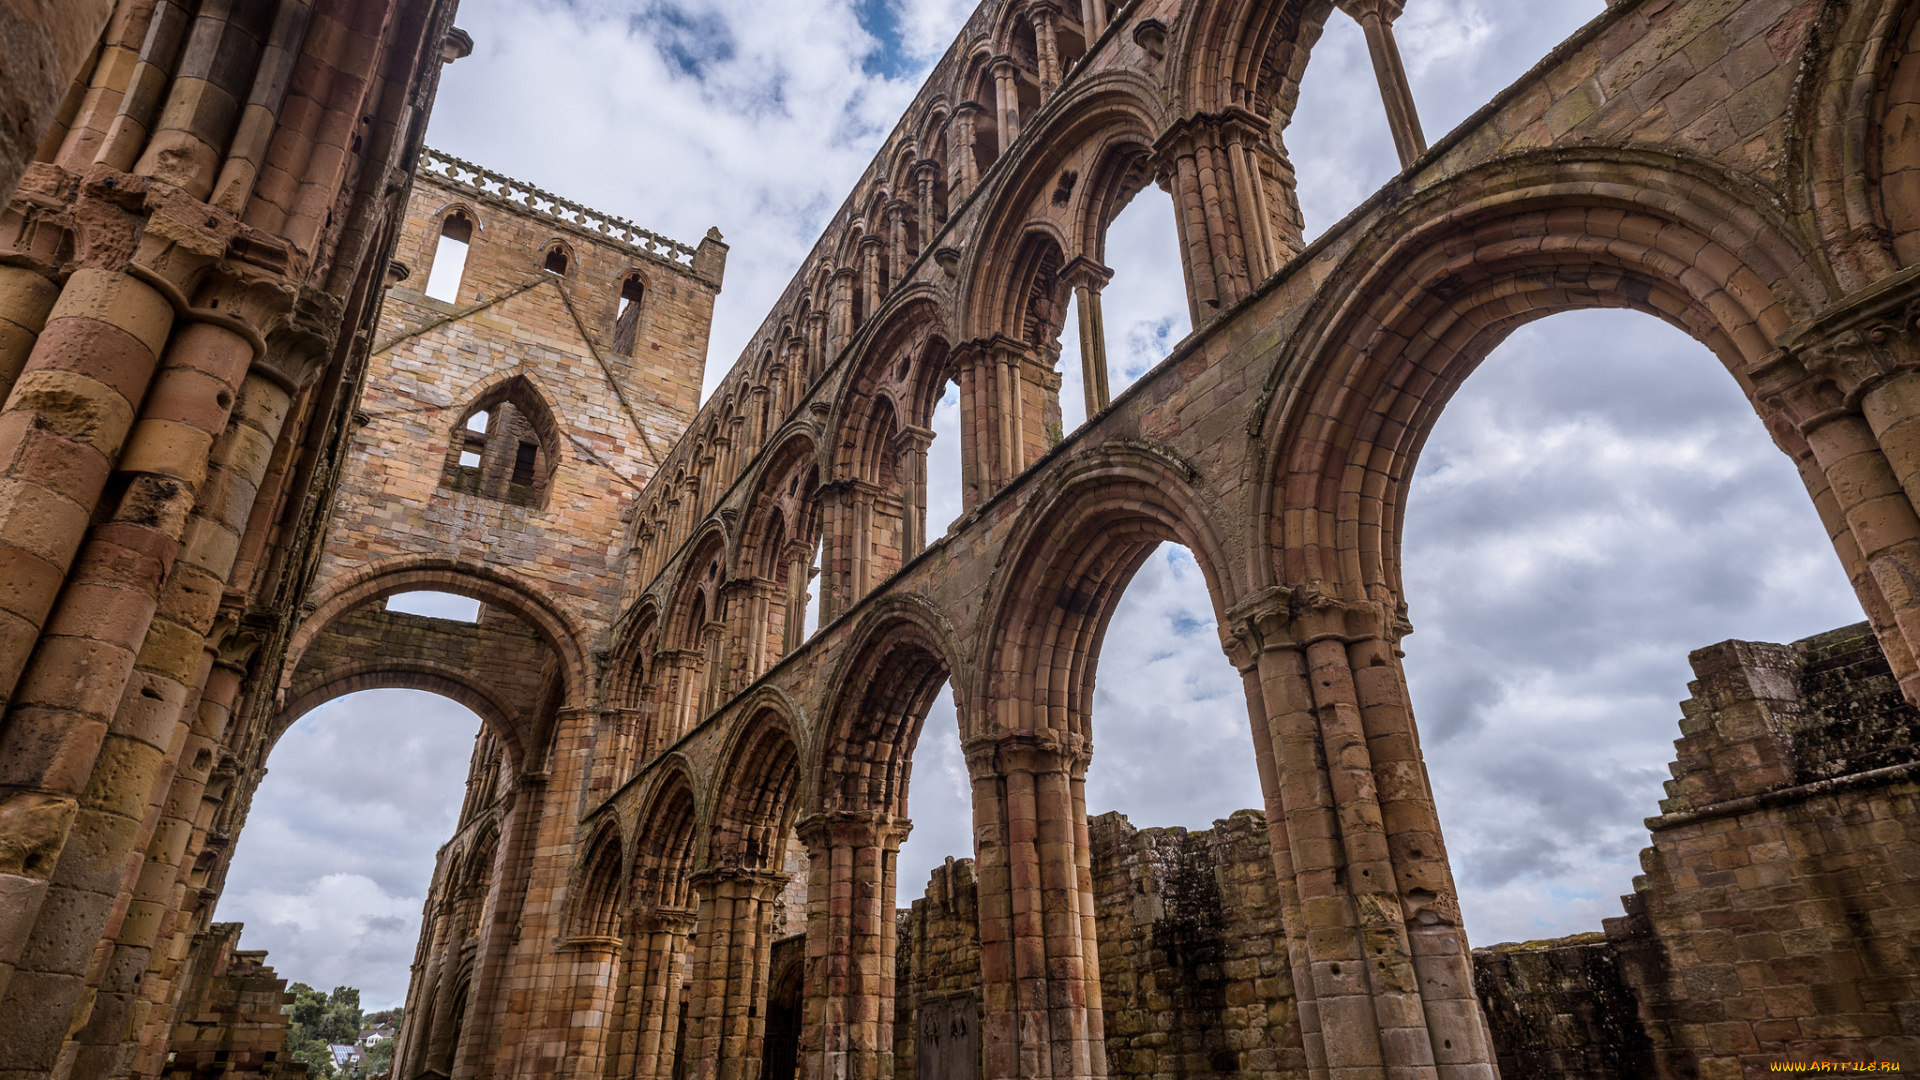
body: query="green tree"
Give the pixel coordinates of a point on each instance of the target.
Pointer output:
(319, 1020)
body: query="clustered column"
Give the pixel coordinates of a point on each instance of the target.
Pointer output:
(1379, 956)
(1039, 953)
(725, 1023)
(1234, 205)
(847, 1026)
(1088, 278)
(1843, 396)
(650, 1010)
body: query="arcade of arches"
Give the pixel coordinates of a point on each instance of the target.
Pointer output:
(234, 424)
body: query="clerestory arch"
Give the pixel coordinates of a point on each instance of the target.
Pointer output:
(899, 659)
(754, 802)
(1068, 561)
(1414, 313)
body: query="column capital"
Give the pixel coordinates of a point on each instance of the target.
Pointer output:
(1083, 272)
(926, 169)
(970, 109)
(1294, 617)
(1823, 367)
(852, 828)
(667, 920)
(1003, 64)
(737, 881)
(1384, 10)
(1045, 751)
(870, 240)
(913, 438)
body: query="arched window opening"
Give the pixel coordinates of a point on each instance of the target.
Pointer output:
(503, 449)
(353, 838)
(1566, 537)
(450, 257)
(437, 605)
(812, 621)
(1122, 327)
(944, 471)
(626, 322)
(556, 261)
(1169, 712)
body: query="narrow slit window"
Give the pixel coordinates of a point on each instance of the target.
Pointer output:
(523, 462)
(450, 258)
(626, 326)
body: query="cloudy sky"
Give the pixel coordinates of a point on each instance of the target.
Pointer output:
(1597, 501)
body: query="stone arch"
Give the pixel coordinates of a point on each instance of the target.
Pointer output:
(557, 257)
(1857, 161)
(754, 803)
(1069, 559)
(1248, 54)
(1511, 242)
(895, 665)
(877, 370)
(1068, 184)
(665, 838)
(397, 674)
(599, 888)
(558, 627)
(631, 671)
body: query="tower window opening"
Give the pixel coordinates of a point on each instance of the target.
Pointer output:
(556, 261)
(450, 257)
(626, 325)
(503, 449)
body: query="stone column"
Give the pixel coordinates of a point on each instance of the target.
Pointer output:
(817, 342)
(963, 171)
(897, 255)
(725, 1021)
(1006, 94)
(978, 452)
(926, 176)
(1380, 957)
(799, 558)
(911, 456)
(840, 314)
(1093, 16)
(657, 971)
(870, 290)
(755, 638)
(590, 984)
(847, 1024)
(1848, 386)
(1376, 19)
(61, 724)
(1044, 16)
(73, 404)
(1088, 278)
(1039, 959)
(713, 668)
(860, 496)
(26, 300)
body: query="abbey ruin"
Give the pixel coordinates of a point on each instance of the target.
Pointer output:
(243, 406)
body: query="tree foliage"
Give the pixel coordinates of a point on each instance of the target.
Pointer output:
(321, 1020)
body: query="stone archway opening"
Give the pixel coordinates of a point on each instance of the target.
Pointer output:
(1142, 309)
(1597, 500)
(343, 835)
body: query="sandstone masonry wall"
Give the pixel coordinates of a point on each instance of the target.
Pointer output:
(230, 1023)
